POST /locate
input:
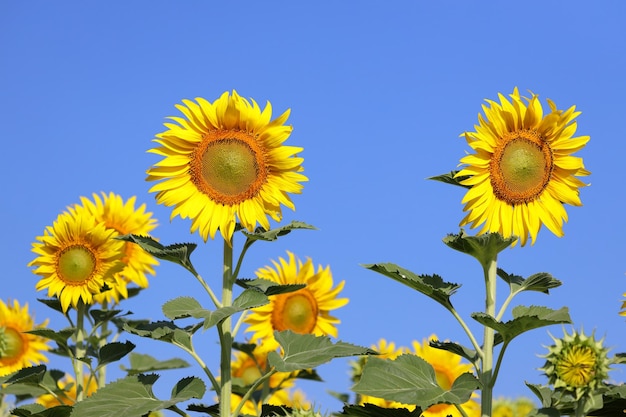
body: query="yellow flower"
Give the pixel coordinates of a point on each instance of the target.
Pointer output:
(76, 256)
(523, 171)
(18, 349)
(246, 370)
(225, 160)
(304, 311)
(623, 312)
(577, 363)
(66, 394)
(448, 367)
(386, 350)
(505, 407)
(123, 218)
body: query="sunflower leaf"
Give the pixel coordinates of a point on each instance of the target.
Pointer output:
(524, 319)
(431, 285)
(467, 353)
(113, 351)
(178, 253)
(306, 351)
(273, 234)
(483, 247)
(451, 178)
(143, 363)
(133, 396)
(371, 410)
(165, 331)
(58, 336)
(38, 410)
(541, 282)
(409, 379)
(33, 375)
(268, 287)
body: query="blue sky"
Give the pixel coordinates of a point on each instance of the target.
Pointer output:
(379, 93)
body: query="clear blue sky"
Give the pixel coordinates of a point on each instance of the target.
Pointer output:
(379, 92)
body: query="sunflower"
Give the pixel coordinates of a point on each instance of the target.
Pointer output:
(623, 309)
(306, 310)
(17, 348)
(66, 394)
(386, 350)
(448, 367)
(506, 407)
(246, 370)
(123, 218)
(523, 171)
(225, 160)
(76, 257)
(577, 363)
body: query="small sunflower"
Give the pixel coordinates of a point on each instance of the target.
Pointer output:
(66, 394)
(124, 218)
(386, 350)
(448, 368)
(224, 160)
(76, 257)
(623, 312)
(304, 311)
(506, 407)
(523, 171)
(246, 370)
(577, 363)
(18, 349)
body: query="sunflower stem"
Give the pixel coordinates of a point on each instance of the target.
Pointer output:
(104, 328)
(225, 331)
(486, 374)
(80, 349)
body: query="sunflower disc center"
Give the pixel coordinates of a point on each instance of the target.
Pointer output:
(11, 345)
(298, 313)
(251, 374)
(228, 166)
(576, 368)
(76, 264)
(521, 167)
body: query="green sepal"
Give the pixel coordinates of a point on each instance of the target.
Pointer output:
(178, 253)
(371, 410)
(273, 234)
(268, 287)
(38, 410)
(543, 393)
(113, 351)
(142, 363)
(183, 307)
(409, 379)
(165, 331)
(483, 247)
(541, 282)
(133, 396)
(432, 286)
(305, 351)
(524, 319)
(465, 352)
(451, 178)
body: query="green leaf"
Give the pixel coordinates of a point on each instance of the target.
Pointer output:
(465, 352)
(543, 392)
(37, 410)
(132, 396)
(165, 331)
(178, 253)
(524, 319)
(182, 307)
(113, 351)
(273, 234)
(59, 336)
(53, 303)
(32, 375)
(371, 410)
(268, 287)
(100, 316)
(483, 247)
(409, 379)
(431, 285)
(451, 178)
(541, 282)
(304, 351)
(142, 363)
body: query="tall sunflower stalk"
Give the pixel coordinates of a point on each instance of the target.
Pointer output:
(519, 178)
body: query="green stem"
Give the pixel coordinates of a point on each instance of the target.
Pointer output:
(209, 291)
(178, 411)
(469, 333)
(251, 390)
(580, 407)
(207, 371)
(486, 374)
(225, 332)
(80, 350)
(104, 328)
(505, 305)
